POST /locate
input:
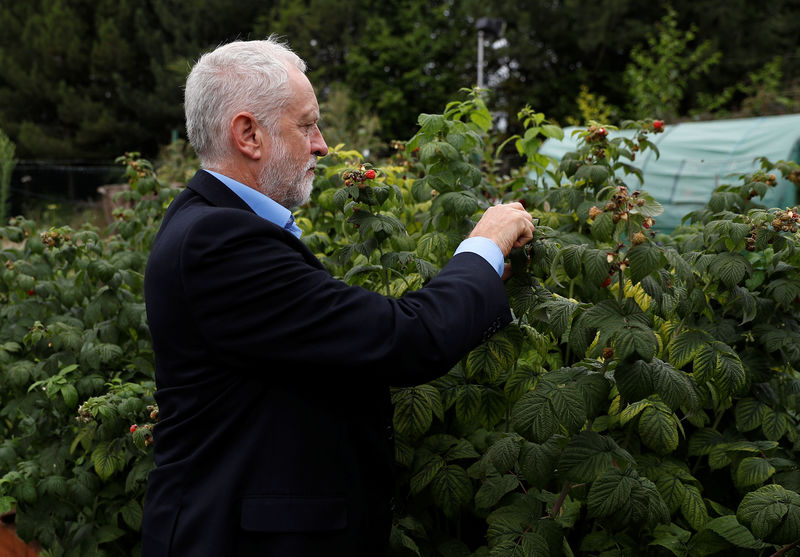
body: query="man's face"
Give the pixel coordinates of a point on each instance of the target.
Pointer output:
(288, 171)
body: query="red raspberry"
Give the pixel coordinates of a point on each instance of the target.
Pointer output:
(606, 282)
(369, 174)
(31, 292)
(658, 125)
(134, 427)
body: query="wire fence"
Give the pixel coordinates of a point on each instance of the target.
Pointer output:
(36, 182)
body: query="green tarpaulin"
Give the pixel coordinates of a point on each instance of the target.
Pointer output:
(696, 157)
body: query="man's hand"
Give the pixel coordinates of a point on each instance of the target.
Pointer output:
(508, 226)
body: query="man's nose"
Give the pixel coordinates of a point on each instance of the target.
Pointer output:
(318, 145)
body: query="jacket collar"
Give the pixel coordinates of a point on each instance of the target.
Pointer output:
(215, 192)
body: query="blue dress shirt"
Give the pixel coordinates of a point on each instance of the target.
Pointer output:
(277, 214)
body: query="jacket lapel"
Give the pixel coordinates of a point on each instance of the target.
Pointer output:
(220, 195)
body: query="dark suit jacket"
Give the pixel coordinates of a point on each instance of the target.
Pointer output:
(275, 435)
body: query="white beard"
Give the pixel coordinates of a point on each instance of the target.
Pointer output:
(282, 181)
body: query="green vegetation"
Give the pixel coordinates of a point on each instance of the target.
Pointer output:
(644, 400)
(92, 79)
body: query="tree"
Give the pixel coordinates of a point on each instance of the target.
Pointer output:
(92, 79)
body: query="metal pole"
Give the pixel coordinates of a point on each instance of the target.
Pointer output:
(480, 58)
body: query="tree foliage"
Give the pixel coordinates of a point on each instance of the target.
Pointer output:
(84, 79)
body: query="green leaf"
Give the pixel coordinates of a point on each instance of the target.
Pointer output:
(772, 513)
(610, 493)
(734, 532)
(775, 424)
(131, 513)
(493, 489)
(414, 409)
(571, 257)
(437, 150)
(685, 345)
(106, 461)
(451, 489)
(693, 508)
(108, 533)
(458, 203)
(731, 268)
(70, 395)
(533, 417)
(672, 490)
(753, 471)
(594, 173)
(603, 227)
(588, 455)
(468, 402)
(568, 406)
(433, 245)
(504, 454)
(672, 538)
(682, 269)
(425, 475)
(595, 265)
(635, 339)
(673, 386)
(645, 259)
(749, 414)
(558, 313)
(490, 359)
(658, 428)
(538, 461)
(783, 290)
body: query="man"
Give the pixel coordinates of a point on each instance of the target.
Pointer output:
(273, 378)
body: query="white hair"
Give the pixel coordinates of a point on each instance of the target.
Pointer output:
(250, 76)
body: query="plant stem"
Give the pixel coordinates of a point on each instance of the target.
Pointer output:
(785, 548)
(561, 498)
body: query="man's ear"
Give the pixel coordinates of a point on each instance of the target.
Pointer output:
(248, 137)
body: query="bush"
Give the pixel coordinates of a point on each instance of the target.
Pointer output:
(77, 372)
(644, 401)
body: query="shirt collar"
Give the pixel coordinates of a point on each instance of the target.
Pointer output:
(262, 205)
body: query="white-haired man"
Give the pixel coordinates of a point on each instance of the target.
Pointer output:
(275, 436)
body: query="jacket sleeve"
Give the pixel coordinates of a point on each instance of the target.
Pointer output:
(254, 297)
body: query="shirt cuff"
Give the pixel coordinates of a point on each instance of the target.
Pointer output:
(485, 248)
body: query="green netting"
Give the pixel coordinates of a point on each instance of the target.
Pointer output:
(696, 157)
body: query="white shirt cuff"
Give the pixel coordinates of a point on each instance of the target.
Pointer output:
(485, 248)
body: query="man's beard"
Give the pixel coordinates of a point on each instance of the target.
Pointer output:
(283, 181)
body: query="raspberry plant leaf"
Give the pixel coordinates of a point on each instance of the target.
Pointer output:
(772, 514)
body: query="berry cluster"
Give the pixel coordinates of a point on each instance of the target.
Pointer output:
(599, 136)
(620, 204)
(617, 262)
(786, 221)
(794, 176)
(358, 177)
(596, 134)
(148, 439)
(769, 179)
(54, 238)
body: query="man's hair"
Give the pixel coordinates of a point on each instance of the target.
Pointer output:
(249, 76)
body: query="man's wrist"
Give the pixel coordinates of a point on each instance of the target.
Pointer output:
(486, 248)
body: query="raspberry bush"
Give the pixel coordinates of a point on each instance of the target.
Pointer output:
(643, 402)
